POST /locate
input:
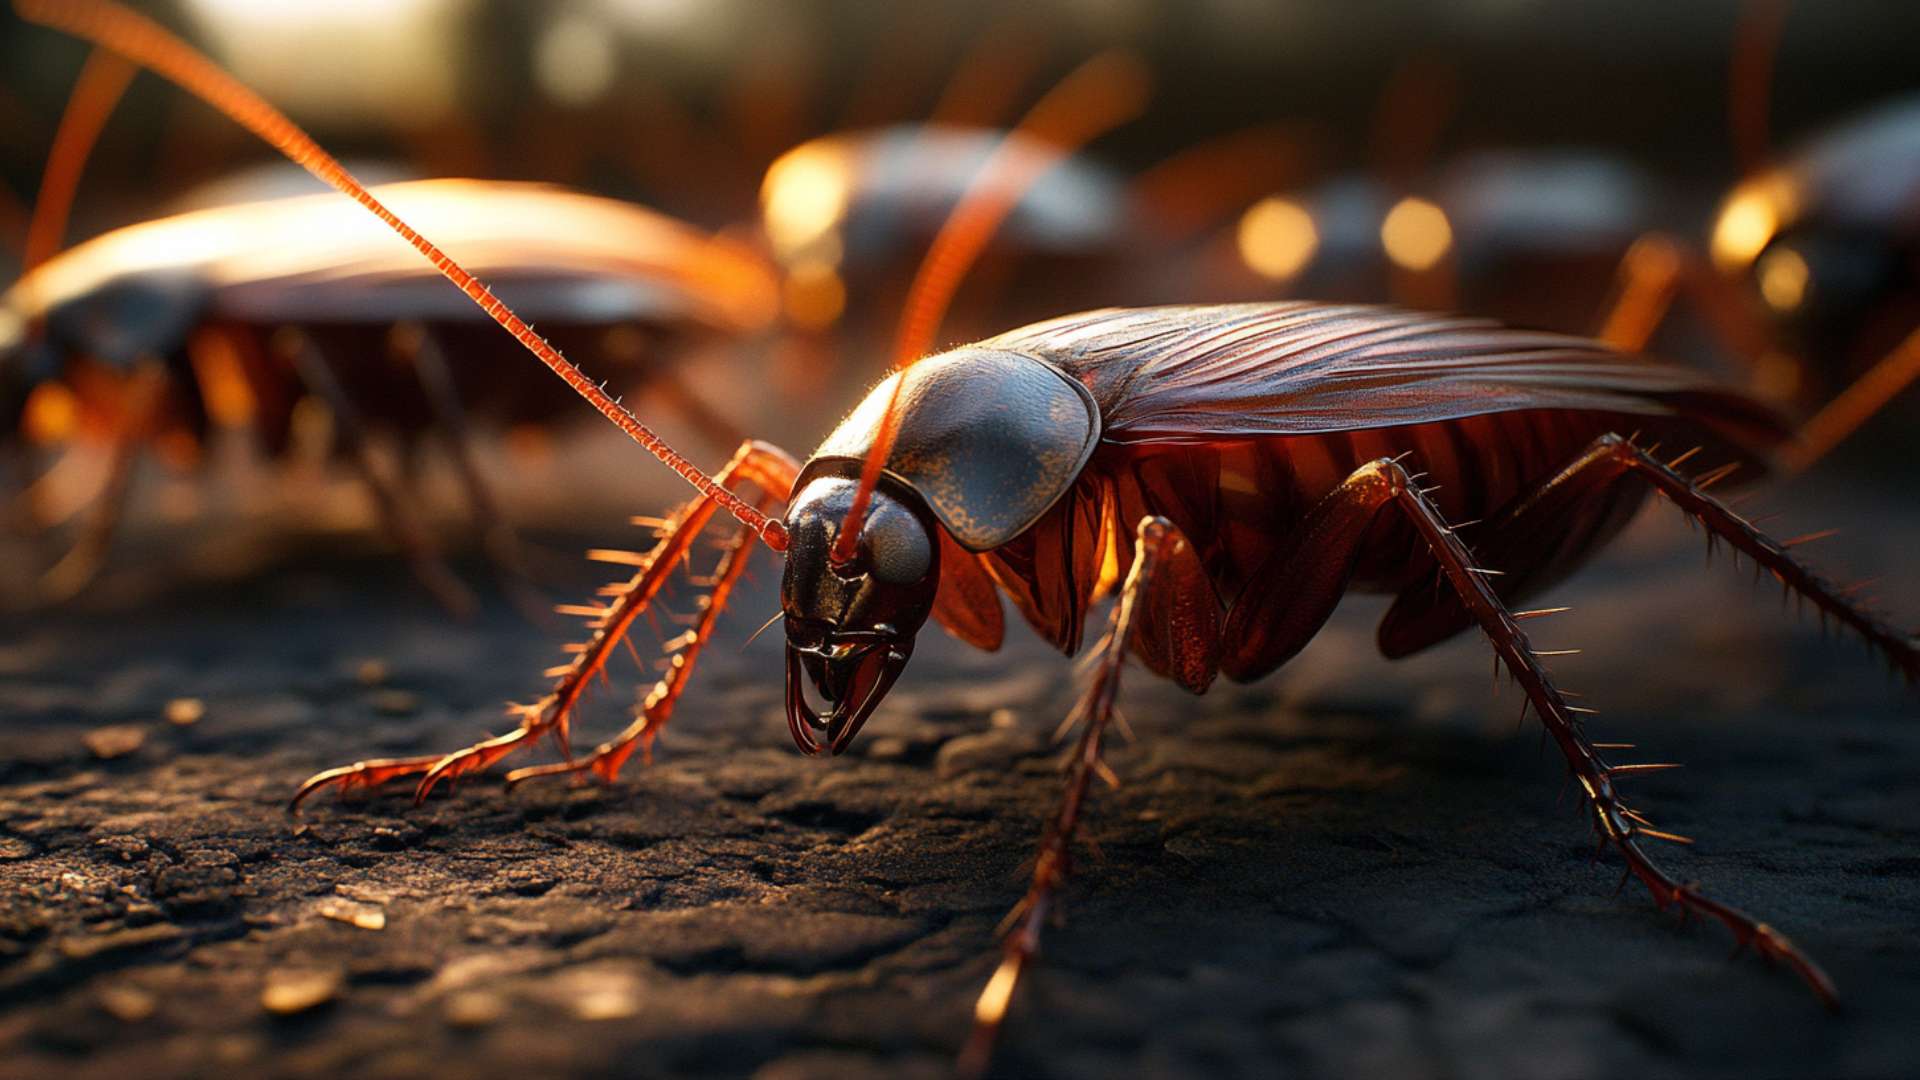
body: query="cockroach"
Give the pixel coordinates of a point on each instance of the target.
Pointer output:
(1227, 473)
(1531, 238)
(259, 295)
(861, 199)
(1808, 273)
(846, 214)
(1825, 245)
(237, 313)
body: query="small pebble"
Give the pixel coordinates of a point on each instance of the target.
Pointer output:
(115, 740)
(290, 991)
(127, 1004)
(605, 996)
(185, 711)
(363, 916)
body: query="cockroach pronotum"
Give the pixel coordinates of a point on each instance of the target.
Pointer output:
(1227, 473)
(149, 335)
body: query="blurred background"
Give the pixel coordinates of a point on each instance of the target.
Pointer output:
(617, 95)
(253, 453)
(747, 190)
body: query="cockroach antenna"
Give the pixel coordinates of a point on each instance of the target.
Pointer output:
(139, 39)
(1094, 98)
(102, 81)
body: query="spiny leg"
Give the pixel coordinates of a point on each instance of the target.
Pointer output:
(418, 345)
(397, 515)
(1162, 561)
(1538, 521)
(766, 467)
(656, 709)
(1616, 822)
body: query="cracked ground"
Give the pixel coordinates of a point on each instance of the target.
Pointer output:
(1355, 868)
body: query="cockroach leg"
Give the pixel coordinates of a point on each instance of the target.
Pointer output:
(422, 350)
(766, 467)
(1163, 561)
(1616, 822)
(1856, 404)
(1579, 495)
(1611, 457)
(397, 515)
(1656, 271)
(145, 398)
(656, 709)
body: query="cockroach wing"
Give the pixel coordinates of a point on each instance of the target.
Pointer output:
(966, 603)
(1234, 371)
(990, 440)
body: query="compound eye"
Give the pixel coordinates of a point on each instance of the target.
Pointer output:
(898, 546)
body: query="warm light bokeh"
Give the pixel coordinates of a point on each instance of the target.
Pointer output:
(1277, 238)
(1415, 234)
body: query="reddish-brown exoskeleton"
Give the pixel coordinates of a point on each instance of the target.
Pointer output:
(1246, 464)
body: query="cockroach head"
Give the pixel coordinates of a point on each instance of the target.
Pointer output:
(850, 628)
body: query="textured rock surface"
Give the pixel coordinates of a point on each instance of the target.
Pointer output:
(1356, 868)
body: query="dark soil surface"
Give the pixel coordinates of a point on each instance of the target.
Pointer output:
(1353, 869)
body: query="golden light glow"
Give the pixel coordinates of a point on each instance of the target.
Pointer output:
(53, 414)
(1783, 279)
(804, 197)
(814, 295)
(992, 1006)
(1277, 238)
(1416, 234)
(1750, 218)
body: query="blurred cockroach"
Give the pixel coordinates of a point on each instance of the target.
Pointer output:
(1227, 472)
(1809, 272)
(153, 333)
(1530, 237)
(1825, 248)
(843, 213)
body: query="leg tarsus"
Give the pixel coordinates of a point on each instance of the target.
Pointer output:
(361, 774)
(766, 467)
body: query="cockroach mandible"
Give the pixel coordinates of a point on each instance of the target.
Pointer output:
(1247, 464)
